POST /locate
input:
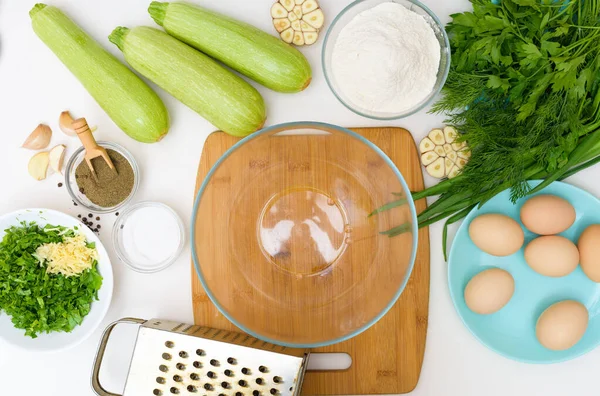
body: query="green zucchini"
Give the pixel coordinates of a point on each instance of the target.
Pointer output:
(127, 100)
(217, 94)
(256, 54)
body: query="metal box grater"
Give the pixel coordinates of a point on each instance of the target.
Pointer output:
(172, 358)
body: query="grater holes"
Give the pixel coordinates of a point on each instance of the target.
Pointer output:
(194, 377)
(231, 361)
(192, 389)
(197, 364)
(228, 373)
(211, 375)
(180, 366)
(246, 371)
(174, 390)
(277, 379)
(169, 344)
(177, 378)
(160, 380)
(243, 383)
(166, 356)
(183, 354)
(215, 362)
(225, 385)
(260, 381)
(208, 387)
(200, 352)
(157, 392)
(163, 368)
(263, 369)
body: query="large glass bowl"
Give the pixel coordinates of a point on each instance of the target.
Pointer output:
(346, 16)
(283, 242)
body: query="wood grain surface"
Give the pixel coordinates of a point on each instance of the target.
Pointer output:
(387, 358)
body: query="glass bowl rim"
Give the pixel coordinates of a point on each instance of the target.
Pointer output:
(122, 256)
(409, 112)
(298, 125)
(122, 150)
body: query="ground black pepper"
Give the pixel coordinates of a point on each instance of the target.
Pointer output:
(59, 184)
(108, 188)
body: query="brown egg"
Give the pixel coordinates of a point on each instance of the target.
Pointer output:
(552, 255)
(589, 252)
(488, 291)
(496, 234)
(562, 325)
(547, 215)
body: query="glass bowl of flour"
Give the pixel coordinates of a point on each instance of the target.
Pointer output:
(386, 59)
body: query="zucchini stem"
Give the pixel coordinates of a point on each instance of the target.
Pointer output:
(158, 11)
(117, 37)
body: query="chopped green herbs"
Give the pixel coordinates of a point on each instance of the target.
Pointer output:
(39, 302)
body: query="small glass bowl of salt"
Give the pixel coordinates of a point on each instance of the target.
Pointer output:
(386, 59)
(148, 236)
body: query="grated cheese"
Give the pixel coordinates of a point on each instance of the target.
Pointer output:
(70, 257)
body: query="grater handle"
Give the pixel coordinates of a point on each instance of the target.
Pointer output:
(100, 391)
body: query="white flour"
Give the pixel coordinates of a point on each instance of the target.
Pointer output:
(386, 59)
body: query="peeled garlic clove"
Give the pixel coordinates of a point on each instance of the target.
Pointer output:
(437, 137)
(309, 6)
(439, 150)
(450, 134)
(288, 4)
(426, 145)
(428, 158)
(288, 35)
(315, 18)
(64, 122)
(310, 37)
(278, 11)
(39, 138)
(56, 157)
(298, 39)
(437, 168)
(281, 24)
(455, 171)
(38, 165)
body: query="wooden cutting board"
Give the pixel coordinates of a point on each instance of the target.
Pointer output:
(387, 358)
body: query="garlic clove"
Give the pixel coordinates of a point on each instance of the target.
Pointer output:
(428, 158)
(296, 26)
(288, 35)
(299, 2)
(298, 11)
(450, 134)
(455, 171)
(448, 149)
(448, 165)
(461, 162)
(298, 39)
(437, 137)
(38, 165)
(439, 150)
(278, 11)
(292, 17)
(310, 37)
(288, 4)
(426, 145)
(464, 153)
(56, 157)
(452, 156)
(281, 24)
(305, 27)
(458, 146)
(64, 122)
(436, 168)
(309, 6)
(315, 18)
(39, 138)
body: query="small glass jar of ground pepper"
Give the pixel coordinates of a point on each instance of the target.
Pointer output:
(107, 190)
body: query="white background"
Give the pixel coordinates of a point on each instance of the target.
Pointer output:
(35, 87)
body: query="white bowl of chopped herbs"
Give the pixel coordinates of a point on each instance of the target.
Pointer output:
(56, 280)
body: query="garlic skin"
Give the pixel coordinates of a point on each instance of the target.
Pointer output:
(38, 165)
(56, 158)
(64, 122)
(39, 138)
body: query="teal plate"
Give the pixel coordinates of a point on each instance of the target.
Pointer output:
(511, 331)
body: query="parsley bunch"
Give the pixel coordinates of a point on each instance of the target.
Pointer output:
(37, 301)
(524, 91)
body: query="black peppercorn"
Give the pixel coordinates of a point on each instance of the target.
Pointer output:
(90, 215)
(59, 184)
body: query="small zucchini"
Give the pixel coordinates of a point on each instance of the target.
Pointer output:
(254, 53)
(127, 100)
(223, 98)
